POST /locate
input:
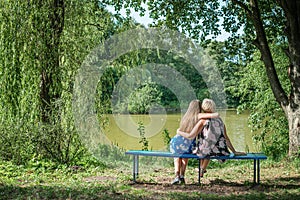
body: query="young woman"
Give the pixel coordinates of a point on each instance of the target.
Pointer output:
(180, 144)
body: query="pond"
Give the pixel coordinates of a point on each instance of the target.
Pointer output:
(122, 130)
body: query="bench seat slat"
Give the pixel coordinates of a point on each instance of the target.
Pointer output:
(254, 156)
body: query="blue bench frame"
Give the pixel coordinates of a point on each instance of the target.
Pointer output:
(256, 157)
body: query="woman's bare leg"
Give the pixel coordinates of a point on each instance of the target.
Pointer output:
(203, 166)
(183, 166)
(177, 166)
(205, 163)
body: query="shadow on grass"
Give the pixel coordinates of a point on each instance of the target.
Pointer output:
(61, 192)
(280, 188)
(287, 183)
(226, 190)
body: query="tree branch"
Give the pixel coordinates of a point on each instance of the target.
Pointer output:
(99, 28)
(243, 6)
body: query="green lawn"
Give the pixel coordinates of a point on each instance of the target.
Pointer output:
(232, 180)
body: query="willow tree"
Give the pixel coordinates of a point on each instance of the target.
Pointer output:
(262, 22)
(42, 44)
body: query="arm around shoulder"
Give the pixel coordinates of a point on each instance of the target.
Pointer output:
(208, 115)
(195, 131)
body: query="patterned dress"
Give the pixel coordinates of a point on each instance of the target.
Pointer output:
(181, 145)
(212, 141)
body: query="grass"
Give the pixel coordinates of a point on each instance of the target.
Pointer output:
(231, 180)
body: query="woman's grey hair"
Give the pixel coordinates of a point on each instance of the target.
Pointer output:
(208, 105)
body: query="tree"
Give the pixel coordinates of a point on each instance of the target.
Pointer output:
(267, 116)
(263, 22)
(42, 45)
(50, 88)
(143, 98)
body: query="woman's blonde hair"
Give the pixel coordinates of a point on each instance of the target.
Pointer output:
(190, 118)
(208, 106)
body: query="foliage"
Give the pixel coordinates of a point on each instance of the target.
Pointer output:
(58, 141)
(166, 138)
(128, 73)
(111, 153)
(143, 139)
(141, 100)
(41, 50)
(203, 20)
(16, 141)
(266, 115)
(19, 80)
(229, 63)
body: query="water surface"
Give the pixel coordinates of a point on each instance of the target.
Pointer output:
(122, 130)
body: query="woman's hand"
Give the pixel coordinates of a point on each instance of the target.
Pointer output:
(179, 132)
(237, 153)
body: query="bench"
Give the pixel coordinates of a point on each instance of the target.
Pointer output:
(256, 157)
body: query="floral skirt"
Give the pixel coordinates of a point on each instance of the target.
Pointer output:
(181, 145)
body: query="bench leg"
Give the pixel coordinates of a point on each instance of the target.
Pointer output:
(256, 171)
(199, 167)
(135, 171)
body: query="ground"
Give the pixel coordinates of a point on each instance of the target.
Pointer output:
(230, 181)
(233, 182)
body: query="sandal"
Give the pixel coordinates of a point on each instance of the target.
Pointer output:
(176, 181)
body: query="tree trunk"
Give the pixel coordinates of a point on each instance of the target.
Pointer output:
(50, 73)
(292, 12)
(294, 130)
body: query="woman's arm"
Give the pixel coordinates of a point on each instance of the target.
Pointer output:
(195, 131)
(208, 115)
(229, 144)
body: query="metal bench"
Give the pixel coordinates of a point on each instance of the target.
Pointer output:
(256, 157)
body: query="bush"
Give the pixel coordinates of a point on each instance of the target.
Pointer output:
(166, 138)
(16, 143)
(143, 140)
(21, 140)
